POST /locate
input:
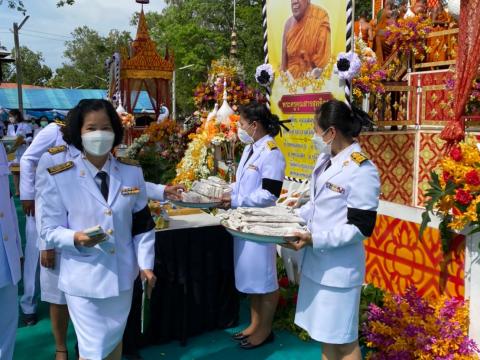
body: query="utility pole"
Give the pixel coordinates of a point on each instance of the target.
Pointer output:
(16, 29)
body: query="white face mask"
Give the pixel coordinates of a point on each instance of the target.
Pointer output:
(98, 142)
(12, 119)
(244, 136)
(321, 145)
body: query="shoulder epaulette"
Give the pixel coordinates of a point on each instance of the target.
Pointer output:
(60, 123)
(57, 149)
(358, 158)
(60, 168)
(272, 145)
(128, 161)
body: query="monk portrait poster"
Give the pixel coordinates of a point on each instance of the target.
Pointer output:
(304, 39)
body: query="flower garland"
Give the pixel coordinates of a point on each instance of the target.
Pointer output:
(454, 192)
(314, 80)
(409, 327)
(137, 145)
(409, 36)
(198, 161)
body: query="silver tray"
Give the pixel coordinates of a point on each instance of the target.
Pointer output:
(9, 140)
(260, 238)
(209, 205)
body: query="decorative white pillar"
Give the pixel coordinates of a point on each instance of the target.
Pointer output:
(472, 283)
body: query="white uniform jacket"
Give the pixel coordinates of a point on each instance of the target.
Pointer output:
(49, 137)
(10, 265)
(72, 201)
(340, 214)
(259, 179)
(23, 129)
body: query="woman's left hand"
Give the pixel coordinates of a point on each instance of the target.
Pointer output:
(302, 239)
(151, 280)
(174, 192)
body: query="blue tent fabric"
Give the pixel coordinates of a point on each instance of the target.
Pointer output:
(60, 99)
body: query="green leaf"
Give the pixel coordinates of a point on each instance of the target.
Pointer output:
(425, 220)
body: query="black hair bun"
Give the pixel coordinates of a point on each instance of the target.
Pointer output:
(360, 120)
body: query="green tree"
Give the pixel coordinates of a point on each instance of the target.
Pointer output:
(364, 7)
(34, 71)
(15, 5)
(20, 6)
(199, 32)
(86, 55)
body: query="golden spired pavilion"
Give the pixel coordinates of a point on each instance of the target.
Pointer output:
(141, 68)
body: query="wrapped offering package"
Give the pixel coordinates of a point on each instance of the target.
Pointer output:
(270, 221)
(206, 191)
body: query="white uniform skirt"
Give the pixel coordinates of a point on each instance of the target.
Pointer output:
(328, 314)
(255, 267)
(99, 323)
(49, 284)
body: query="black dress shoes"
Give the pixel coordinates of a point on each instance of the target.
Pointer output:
(30, 319)
(239, 336)
(246, 345)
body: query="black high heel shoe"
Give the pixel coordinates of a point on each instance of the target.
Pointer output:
(239, 336)
(246, 345)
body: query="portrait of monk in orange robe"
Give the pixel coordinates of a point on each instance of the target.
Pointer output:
(306, 46)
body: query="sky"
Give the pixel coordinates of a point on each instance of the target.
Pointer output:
(49, 27)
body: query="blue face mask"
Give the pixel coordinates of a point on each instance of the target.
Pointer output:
(43, 123)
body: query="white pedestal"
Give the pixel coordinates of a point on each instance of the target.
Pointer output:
(472, 283)
(366, 103)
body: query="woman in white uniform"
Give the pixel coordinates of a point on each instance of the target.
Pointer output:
(89, 187)
(19, 127)
(340, 214)
(258, 183)
(10, 254)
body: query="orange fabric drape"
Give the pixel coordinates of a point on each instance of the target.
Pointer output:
(468, 61)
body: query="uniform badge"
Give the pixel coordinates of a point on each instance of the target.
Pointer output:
(57, 149)
(128, 161)
(272, 145)
(335, 188)
(60, 168)
(253, 167)
(358, 158)
(130, 191)
(60, 123)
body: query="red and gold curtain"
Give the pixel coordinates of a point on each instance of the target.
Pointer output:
(468, 62)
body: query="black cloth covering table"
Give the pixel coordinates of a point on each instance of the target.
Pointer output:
(195, 289)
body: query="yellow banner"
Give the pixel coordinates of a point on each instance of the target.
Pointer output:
(304, 39)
